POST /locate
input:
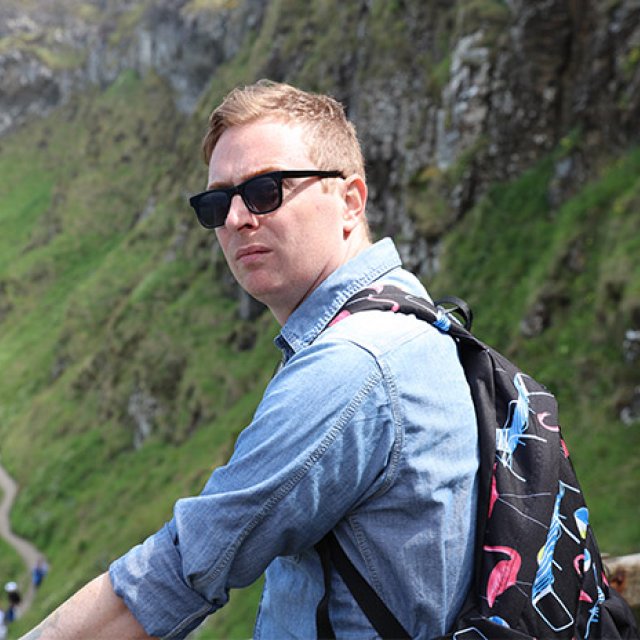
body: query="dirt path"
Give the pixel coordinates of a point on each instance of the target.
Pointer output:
(25, 549)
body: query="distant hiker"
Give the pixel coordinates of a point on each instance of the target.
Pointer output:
(14, 598)
(367, 429)
(39, 572)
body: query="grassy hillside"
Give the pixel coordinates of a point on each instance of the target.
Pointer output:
(105, 295)
(113, 303)
(514, 256)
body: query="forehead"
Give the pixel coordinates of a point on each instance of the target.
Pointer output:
(248, 149)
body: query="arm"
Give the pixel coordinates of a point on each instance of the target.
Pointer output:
(318, 444)
(95, 611)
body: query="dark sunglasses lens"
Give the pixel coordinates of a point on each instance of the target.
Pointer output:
(212, 209)
(262, 194)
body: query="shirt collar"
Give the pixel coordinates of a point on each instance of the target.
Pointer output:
(311, 317)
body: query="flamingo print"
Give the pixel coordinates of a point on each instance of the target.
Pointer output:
(504, 574)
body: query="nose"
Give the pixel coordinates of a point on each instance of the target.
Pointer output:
(239, 216)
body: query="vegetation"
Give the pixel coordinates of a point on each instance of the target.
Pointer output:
(106, 295)
(113, 302)
(12, 567)
(513, 256)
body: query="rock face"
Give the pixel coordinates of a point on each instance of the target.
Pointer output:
(462, 93)
(28, 87)
(565, 65)
(60, 49)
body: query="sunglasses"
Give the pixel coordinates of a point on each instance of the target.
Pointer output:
(260, 194)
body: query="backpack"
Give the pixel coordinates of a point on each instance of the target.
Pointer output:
(538, 572)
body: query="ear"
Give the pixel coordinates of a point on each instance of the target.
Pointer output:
(355, 200)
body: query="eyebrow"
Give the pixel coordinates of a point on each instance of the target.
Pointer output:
(226, 185)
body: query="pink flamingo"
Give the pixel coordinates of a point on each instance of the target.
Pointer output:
(504, 574)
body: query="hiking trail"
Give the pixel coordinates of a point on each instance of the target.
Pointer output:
(28, 552)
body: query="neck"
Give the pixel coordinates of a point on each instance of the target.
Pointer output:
(353, 246)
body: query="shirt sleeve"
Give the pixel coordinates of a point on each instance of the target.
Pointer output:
(320, 442)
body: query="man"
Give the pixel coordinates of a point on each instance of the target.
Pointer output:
(14, 598)
(368, 428)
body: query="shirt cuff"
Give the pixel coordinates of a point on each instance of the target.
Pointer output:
(150, 581)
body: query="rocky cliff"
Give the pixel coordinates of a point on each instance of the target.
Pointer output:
(448, 97)
(53, 49)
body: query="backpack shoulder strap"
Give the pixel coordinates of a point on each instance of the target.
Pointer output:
(391, 298)
(386, 298)
(476, 359)
(380, 617)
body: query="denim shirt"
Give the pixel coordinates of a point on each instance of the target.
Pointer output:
(367, 429)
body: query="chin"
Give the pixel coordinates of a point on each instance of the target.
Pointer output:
(261, 293)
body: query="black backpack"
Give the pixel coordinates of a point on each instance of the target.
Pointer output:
(538, 572)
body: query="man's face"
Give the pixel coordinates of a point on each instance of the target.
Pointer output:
(278, 257)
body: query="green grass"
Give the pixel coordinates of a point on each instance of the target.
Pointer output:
(12, 567)
(103, 302)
